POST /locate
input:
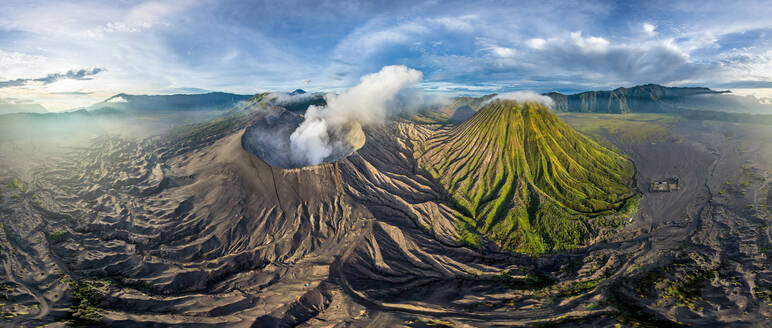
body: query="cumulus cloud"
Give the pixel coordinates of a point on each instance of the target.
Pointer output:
(503, 52)
(599, 59)
(336, 129)
(592, 44)
(536, 43)
(650, 29)
(82, 74)
(525, 96)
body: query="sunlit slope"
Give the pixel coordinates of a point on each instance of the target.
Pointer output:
(527, 180)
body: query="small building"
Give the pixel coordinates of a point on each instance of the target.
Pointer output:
(666, 185)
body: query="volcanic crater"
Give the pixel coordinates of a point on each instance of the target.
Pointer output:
(271, 139)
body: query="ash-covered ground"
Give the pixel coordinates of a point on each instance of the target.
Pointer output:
(196, 230)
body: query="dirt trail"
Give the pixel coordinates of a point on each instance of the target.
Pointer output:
(41, 301)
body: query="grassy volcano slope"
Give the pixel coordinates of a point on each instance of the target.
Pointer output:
(526, 179)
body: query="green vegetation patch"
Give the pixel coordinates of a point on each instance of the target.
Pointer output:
(87, 296)
(14, 183)
(57, 236)
(580, 287)
(686, 291)
(467, 235)
(645, 286)
(765, 295)
(677, 283)
(5, 290)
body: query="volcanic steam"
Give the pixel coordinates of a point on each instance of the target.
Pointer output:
(332, 132)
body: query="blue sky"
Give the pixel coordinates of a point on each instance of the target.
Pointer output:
(69, 54)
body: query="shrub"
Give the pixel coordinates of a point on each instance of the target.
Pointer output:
(57, 236)
(87, 296)
(14, 184)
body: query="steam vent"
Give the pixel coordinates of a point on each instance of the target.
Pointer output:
(269, 138)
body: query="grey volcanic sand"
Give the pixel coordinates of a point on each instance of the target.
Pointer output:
(206, 233)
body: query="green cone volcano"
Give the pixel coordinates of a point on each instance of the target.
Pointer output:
(526, 180)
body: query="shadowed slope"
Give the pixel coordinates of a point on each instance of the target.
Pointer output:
(525, 178)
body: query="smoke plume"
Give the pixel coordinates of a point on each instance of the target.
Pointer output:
(335, 130)
(281, 98)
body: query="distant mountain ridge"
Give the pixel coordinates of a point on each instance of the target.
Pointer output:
(654, 98)
(134, 115)
(178, 102)
(13, 108)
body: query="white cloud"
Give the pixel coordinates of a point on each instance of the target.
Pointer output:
(503, 52)
(536, 43)
(525, 96)
(591, 44)
(745, 64)
(451, 88)
(597, 58)
(117, 100)
(461, 23)
(697, 41)
(649, 28)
